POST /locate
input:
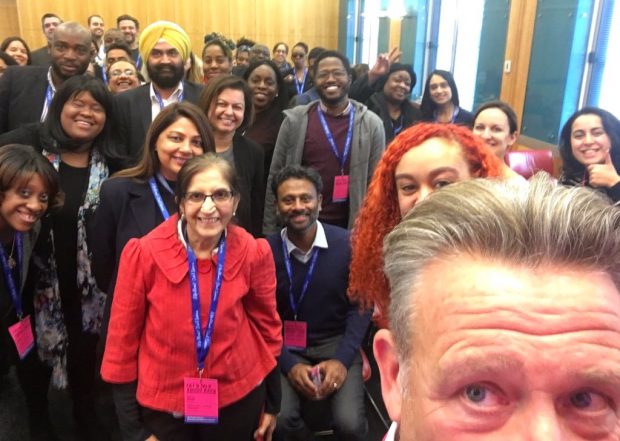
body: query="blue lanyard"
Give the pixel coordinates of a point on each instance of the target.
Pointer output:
(157, 194)
(289, 272)
(138, 62)
(49, 95)
(161, 101)
(300, 86)
(330, 138)
(396, 130)
(203, 341)
(104, 75)
(8, 275)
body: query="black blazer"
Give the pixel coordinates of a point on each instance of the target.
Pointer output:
(249, 163)
(22, 96)
(133, 112)
(127, 209)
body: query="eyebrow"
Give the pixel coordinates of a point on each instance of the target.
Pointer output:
(433, 173)
(479, 365)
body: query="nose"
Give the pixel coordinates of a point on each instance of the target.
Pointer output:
(186, 147)
(207, 205)
(298, 205)
(35, 205)
(588, 138)
(424, 192)
(486, 134)
(542, 423)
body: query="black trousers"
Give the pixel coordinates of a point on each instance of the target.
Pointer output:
(236, 422)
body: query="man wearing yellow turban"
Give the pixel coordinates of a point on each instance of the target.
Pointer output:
(164, 46)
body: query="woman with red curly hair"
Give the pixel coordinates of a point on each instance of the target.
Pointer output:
(420, 160)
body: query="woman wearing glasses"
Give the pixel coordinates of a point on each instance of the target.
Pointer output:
(194, 318)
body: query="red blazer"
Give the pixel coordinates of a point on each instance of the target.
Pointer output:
(151, 337)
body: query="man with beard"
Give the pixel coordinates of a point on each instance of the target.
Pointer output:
(26, 93)
(96, 27)
(130, 26)
(322, 329)
(337, 136)
(166, 47)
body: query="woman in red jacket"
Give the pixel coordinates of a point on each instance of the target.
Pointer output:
(194, 318)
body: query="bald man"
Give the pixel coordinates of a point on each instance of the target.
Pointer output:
(166, 47)
(26, 93)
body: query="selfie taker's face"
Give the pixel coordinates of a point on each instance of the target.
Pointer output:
(501, 352)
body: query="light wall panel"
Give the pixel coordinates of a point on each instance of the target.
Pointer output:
(265, 21)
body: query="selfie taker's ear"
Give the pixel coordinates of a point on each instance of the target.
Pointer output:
(387, 360)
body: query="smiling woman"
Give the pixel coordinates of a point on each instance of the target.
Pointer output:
(137, 200)
(227, 102)
(198, 254)
(18, 49)
(29, 185)
(122, 76)
(77, 137)
(590, 150)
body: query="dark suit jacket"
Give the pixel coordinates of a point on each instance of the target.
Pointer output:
(133, 112)
(249, 159)
(127, 210)
(41, 57)
(22, 96)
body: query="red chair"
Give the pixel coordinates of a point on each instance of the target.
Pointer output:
(528, 162)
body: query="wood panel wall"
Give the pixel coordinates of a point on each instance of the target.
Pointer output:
(265, 21)
(9, 22)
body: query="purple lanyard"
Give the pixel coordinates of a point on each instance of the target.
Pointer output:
(203, 341)
(8, 274)
(289, 272)
(342, 160)
(300, 86)
(157, 194)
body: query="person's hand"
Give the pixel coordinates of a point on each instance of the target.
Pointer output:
(603, 175)
(382, 65)
(152, 438)
(266, 427)
(334, 375)
(299, 376)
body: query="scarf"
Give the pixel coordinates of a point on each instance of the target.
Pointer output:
(52, 336)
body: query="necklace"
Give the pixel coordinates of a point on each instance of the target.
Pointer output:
(12, 262)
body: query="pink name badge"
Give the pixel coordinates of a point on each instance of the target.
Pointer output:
(21, 332)
(295, 334)
(200, 400)
(341, 188)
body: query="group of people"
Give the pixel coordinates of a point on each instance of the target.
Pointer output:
(132, 224)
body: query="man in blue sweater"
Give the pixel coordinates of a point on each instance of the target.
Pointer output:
(322, 329)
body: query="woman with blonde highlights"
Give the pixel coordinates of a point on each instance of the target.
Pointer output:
(419, 161)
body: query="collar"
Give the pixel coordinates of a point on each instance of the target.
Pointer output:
(320, 241)
(49, 80)
(181, 235)
(391, 435)
(346, 111)
(173, 98)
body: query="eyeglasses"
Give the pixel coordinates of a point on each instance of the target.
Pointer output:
(119, 72)
(337, 74)
(219, 197)
(298, 55)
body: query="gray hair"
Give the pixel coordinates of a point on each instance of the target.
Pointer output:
(529, 226)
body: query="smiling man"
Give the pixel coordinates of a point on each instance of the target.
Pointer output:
(504, 315)
(337, 136)
(166, 47)
(312, 268)
(26, 93)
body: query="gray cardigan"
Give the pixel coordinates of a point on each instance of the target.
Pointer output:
(367, 147)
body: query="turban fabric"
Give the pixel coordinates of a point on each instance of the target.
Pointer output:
(171, 33)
